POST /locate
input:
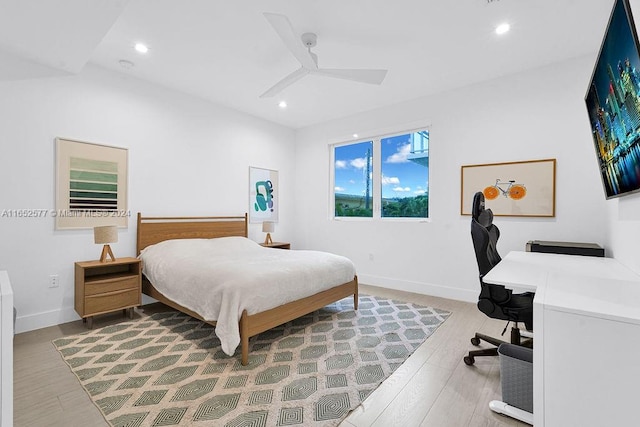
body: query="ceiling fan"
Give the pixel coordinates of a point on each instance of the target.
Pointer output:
(309, 60)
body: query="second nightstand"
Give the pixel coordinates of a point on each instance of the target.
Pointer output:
(277, 245)
(102, 287)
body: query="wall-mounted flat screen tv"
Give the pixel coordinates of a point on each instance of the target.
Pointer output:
(613, 104)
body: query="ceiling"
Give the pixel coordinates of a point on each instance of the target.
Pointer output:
(227, 52)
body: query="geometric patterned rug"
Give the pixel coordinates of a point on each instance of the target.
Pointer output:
(168, 369)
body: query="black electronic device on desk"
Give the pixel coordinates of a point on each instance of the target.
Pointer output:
(568, 248)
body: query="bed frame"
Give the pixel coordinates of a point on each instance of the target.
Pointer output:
(153, 230)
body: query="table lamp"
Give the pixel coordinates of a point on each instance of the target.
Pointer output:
(268, 227)
(105, 235)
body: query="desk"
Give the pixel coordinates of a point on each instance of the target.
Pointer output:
(586, 322)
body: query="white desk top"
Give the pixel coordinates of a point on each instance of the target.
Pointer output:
(593, 286)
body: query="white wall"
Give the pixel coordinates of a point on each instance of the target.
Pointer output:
(625, 230)
(534, 115)
(186, 157)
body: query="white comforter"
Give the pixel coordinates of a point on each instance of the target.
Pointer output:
(219, 278)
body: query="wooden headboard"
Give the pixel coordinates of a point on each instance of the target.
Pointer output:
(152, 230)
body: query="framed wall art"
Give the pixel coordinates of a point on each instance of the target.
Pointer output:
(525, 188)
(91, 185)
(263, 195)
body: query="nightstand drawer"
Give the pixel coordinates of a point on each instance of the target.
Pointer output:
(112, 301)
(111, 285)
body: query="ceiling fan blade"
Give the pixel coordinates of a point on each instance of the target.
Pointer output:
(287, 81)
(283, 27)
(365, 76)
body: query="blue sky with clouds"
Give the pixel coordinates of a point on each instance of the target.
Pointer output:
(400, 176)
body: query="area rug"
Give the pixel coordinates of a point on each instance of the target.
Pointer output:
(168, 369)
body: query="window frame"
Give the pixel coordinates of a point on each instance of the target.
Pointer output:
(376, 179)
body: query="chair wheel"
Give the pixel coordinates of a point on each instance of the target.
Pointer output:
(469, 360)
(475, 341)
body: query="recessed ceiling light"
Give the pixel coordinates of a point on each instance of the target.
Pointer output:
(503, 28)
(355, 135)
(282, 104)
(142, 48)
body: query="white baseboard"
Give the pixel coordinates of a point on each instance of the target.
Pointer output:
(466, 295)
(30, 322)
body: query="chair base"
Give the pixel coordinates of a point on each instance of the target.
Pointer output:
(515, 339)
(511, 411)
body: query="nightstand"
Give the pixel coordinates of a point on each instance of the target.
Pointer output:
(277, 245)
(102, 287)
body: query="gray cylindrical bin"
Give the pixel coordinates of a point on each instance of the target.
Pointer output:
(516, 376)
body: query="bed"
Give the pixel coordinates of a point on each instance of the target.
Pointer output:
(154, 232)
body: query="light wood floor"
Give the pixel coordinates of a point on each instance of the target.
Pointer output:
(432, 388)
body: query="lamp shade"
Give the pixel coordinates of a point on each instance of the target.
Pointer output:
(105, 234)
(268, 226)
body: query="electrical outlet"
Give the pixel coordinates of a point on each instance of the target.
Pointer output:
(370, 257)
(54, 281)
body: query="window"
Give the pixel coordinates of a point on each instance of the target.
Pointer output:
(353, 186)
(383, 178)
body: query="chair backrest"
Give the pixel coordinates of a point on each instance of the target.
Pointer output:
(485, 235)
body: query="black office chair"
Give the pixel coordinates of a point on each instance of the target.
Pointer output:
(495, 300)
